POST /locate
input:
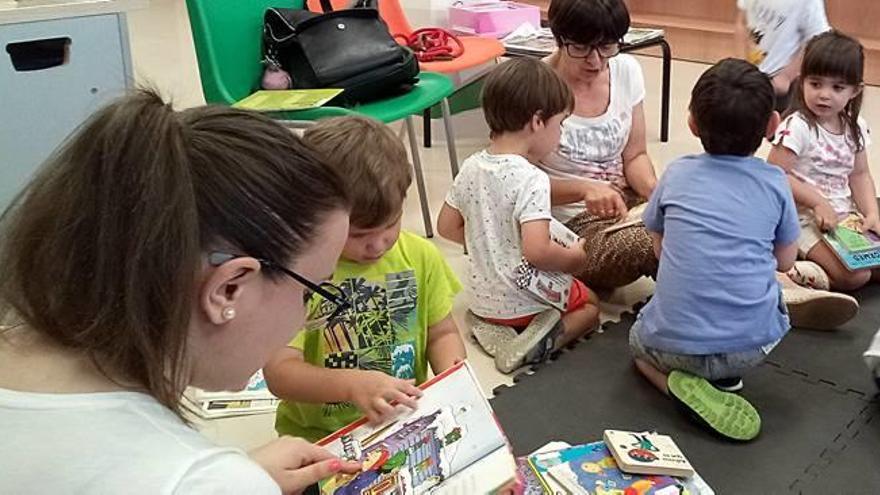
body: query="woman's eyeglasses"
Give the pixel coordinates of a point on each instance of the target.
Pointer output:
(330, 292)
(605, 50)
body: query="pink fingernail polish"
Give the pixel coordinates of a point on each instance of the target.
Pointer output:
(335, 465)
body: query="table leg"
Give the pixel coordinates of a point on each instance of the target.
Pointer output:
(664, 103)
(426, 123)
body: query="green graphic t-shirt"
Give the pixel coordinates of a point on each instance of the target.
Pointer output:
(393, 302)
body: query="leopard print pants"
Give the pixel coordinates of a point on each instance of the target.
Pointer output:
(617, 258)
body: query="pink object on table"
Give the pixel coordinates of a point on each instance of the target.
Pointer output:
(494, 19)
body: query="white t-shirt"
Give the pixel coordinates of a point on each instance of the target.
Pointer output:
(113, 443)
(824, 159)
(592, 147)
(496, 194)
(780, 28)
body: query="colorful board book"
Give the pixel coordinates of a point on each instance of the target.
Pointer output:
(451, 443)
(287, 100)
(647, 453)
(855, 249)
(590, 469)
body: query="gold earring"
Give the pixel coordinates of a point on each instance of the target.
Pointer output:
(228, 313)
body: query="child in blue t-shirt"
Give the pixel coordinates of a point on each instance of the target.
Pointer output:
(723, 223)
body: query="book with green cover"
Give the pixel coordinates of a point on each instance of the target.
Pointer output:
(857, 250)
(287, 99)
(849, 234)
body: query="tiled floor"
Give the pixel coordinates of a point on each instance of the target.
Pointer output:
(164, 59)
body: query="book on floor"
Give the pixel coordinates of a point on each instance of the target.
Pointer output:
(537, 471)
(451, 443)
(647, 453)
(857, 250)
(254, 399)
(591, 469)
(287, 99)
(541, 462)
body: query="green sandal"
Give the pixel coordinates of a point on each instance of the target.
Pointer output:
(728, 414)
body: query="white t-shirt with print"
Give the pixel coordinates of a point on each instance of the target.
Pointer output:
(780, 28)
(592, 147)
(824, 160)
(496, 194)
(112, 443)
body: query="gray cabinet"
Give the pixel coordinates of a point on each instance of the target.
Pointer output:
(53, 74)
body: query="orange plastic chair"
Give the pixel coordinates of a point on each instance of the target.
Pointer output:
(477, 50)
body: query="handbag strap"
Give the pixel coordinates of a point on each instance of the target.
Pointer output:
(431, 44)
(326, 6)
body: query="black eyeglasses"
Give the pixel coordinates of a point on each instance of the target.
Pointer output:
(330, 292)
(605, 50)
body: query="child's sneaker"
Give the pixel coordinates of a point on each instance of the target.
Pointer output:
(533, 345)
(818, 309)
(490, 336)
(734, 384)
(726, 413)
(809, 274)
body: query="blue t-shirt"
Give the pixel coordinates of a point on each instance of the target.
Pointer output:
(720, 217)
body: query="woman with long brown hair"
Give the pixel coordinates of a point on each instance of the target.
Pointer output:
(156, 250)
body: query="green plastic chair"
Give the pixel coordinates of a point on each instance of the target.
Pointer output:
(228, 42)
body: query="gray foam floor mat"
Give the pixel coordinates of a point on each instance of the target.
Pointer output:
(850, 464)
(816, 433)
(835, 356)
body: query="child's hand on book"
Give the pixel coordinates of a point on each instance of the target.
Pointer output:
(375, 394)
(871, 223)
(825, 216)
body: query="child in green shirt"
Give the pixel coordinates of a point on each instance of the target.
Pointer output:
(360, 359)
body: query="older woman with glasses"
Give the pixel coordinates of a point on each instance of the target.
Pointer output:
(602, 167)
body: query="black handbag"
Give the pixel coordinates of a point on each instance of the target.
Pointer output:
(349, 49)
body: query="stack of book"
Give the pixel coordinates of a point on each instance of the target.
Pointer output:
(254, 399)
(626, 462)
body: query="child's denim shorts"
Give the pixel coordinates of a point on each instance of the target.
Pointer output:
(708, 366)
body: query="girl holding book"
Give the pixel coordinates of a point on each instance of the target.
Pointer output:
(822, 146)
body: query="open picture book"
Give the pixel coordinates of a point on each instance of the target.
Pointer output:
(856, 249)
(450, 444)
